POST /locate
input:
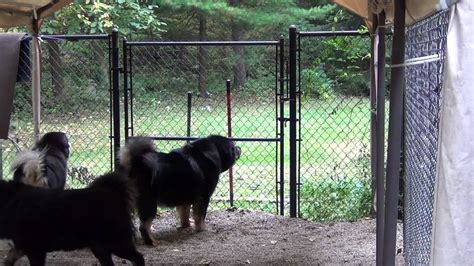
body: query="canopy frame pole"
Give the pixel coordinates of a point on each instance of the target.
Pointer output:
(395, 132)
(36, 80)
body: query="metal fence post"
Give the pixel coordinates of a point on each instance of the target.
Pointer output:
(188, 114)
(125, 86)
(115, 95)
(282, 125)
(293, 141)
(394, 134)
(229, 134)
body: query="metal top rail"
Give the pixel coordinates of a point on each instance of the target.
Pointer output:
(333, 33)
(207, 43)
(177, 138)
(78, 37)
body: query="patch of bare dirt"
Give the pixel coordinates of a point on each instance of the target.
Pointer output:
(247, 237)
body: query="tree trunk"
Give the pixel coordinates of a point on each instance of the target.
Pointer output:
(56, 68)
(239, 66)
(202, 56)
(101, 76)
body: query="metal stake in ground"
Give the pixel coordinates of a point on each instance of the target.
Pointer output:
(188, 121)
(229, 134)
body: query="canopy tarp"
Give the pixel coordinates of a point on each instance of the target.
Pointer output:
(28, 13)
(22, 12)
(415, 9)
(10, 54)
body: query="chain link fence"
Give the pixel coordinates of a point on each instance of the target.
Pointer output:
(422, 103)
(334, 127)
(168, 81)
(75, 99)
(177, 91)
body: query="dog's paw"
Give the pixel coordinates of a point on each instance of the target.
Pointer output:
(185, 224)
(199, 223)
(150, 241)
(147, 236)
(188, 229)
(201, 227)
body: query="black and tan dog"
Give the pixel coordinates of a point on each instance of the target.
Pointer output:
(46, 164)
(182, 178)
(40, 220)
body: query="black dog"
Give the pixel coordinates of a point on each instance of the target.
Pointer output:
(43, 166)
(180, 178)
(46, 164)
(40, 220)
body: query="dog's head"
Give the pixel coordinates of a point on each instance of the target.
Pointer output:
(56, 140)
(229, 153)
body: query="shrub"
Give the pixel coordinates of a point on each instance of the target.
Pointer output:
(329, 200)
(316, 83)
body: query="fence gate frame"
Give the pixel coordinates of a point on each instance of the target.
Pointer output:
(279, 91)
(295, 92)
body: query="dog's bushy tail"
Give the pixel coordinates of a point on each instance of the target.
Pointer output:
(28, 168)
(134, 148)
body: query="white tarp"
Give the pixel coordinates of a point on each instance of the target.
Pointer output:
(20, 12)
(453, 231)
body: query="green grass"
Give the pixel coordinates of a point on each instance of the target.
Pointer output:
(334, 156)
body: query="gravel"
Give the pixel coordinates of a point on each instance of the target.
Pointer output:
(247, 237)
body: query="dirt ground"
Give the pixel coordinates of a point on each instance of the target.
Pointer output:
(247, 237)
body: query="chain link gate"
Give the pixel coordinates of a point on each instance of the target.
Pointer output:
(175, 92)
(333, 177)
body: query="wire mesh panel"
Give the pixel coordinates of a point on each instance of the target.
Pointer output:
(334, 152)
(75, 99)
(423, 99)
(179, 90)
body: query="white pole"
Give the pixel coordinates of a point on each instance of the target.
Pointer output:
(36, 87)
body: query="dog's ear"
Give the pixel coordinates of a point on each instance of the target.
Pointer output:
(211, 152)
